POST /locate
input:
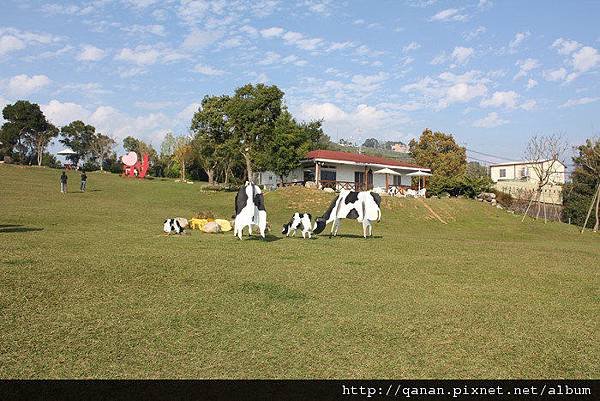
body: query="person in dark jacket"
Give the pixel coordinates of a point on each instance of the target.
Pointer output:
(63, 182)
(83, 181)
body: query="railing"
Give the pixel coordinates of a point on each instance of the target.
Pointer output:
(339, 185)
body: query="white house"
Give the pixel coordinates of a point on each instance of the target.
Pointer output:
(344, 170)
(521, 178)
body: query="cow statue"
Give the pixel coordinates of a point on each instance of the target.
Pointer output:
(175, 225)
(249, 210)
(362, 206)
(304, 219)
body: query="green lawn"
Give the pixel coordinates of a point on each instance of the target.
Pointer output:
(89, 287)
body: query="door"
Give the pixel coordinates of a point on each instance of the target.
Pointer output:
(359, 180)
(369, 179)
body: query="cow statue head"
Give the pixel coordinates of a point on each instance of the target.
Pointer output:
(320, 224)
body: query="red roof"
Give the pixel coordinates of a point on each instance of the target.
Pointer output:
(356, 158)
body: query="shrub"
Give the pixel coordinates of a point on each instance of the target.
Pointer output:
(504, 199)
(459, 185)
(50, 160)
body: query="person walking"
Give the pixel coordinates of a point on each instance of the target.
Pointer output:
(63, 182)
(83, 181)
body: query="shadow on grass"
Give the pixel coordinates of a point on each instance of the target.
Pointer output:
(10, 228)
(272, 291)
(353, 236)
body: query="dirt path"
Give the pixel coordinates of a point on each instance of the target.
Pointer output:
(432, 212)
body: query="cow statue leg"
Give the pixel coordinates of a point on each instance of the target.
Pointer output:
(262, 222)
(366, 225)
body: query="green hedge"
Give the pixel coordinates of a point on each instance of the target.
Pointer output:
(464, 185)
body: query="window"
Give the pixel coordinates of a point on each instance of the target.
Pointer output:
(502, 173)
(328, 175)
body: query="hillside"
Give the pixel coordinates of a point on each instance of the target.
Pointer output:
(91, 288)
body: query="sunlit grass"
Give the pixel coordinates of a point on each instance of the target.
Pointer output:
(89, 287)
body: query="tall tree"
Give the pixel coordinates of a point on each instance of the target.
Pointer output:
(251, 114)
(182, 153)
(290, 143)
(25, 129)
(101, 148)
(475, 169)
(545, 153)
(79, 137)
(131, 144)
(213, 141)
(371, 143)
(582, 195)
(440, 152)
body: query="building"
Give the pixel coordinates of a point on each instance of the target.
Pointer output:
(344, 170)
(520, 180)
(400, 148)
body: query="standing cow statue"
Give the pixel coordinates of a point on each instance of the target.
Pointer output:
(362, 206)
(249, 210)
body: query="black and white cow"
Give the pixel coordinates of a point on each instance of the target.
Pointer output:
(297, 219)
(249, 210)
(173, 226)
(362, 206)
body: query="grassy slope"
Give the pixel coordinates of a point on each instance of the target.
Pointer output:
(95, 290)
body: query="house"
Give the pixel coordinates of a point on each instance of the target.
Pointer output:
(520, 179)
(400, 148)
(344, 170)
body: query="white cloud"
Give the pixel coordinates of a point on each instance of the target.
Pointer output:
(299, 40)
(516, 42)
(249, 30)
(450, 14)
(462, 54)
(141, 55)
(90, 53)
(154, 29)
(525, 66)
(208, 70)
(501, 99)
(411, 46)
(9, 43)
(585, 59)
(449, 88)
(531, 83)
(272, 32)
(578, 102)
(187, 113)
(360, 120)
(555, 75)
(197, 39)
(12, 39)
(490, 121)
(565, 46)
(475, 33)
(23, 85)
(528, 105)
(61, 114)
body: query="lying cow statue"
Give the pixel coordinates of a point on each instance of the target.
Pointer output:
(304, 219)
(249, 210)
(362, 206)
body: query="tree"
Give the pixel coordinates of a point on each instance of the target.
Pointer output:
(439, 152)
(213, 141)
(26, 129)
(79, 137)
(290, 143)
(371, 143)
(183, 152)
(131, 144)
(544, 154)
(251, 115)
(474, 169)
(101, 148)
(581, 195)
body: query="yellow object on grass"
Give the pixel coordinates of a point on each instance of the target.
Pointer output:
(198, 224)
(224, 224)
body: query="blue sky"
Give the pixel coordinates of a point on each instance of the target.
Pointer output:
(492, 73)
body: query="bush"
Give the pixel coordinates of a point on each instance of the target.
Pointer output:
(504, 199)
(49, 160)
(90, 165)
(466, 185)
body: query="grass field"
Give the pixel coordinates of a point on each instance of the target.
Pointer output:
(89, 287)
